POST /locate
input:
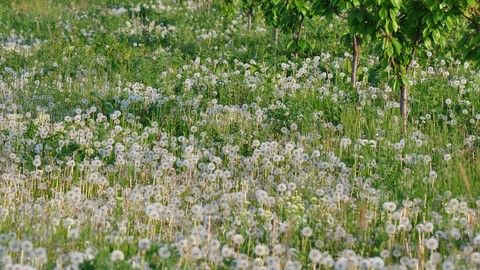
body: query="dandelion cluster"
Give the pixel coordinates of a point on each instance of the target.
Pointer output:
(153, 138)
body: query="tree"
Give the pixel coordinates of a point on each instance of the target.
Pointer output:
(248, 7)
(361, 20)
(403, 27)
(272, 12)
(228, 8)
(470, 11)
(362, 23)
(295, 12)
(288, 16)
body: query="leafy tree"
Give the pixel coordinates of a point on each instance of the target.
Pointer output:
(362, 23)
(294, 14)
(228, 8)
(248, 7)
(272, 11)
(470, 11)
(404, 26)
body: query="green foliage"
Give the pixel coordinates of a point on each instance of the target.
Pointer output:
(248, 7)
(289, 16)
(470, 11)
(404, 26)
(316, 115)
(360, 16)
(273, 12)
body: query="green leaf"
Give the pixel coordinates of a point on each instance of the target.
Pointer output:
(383, 13)
(404, 80)
(396, 3)
(389, 49)
(394, 26)
(395, 84)
(393, 14)
(397, 46)
(436, 36)
(428, 43)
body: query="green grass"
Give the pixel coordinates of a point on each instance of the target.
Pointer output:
(241, 92)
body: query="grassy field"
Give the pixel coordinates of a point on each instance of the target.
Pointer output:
(163, 135)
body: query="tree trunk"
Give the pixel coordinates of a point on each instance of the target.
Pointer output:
(297, 34)
(296, 37)
(276, 35)
(356, 48)
(249, 20)
(404, 91)
(404, 106)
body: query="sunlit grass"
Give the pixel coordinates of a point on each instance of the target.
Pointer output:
(168, 136)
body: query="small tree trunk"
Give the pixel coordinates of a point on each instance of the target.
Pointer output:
(299, 30)
(276, 35)
(296, 38)
(249, 19)
(404, 106)
(356, 48)
(297, 34)
(404, 92)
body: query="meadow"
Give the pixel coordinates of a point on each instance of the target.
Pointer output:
(162, 134)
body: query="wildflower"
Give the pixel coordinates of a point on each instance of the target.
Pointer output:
(144, 244)
(307, 232)
(281, 187)
(163, 252)
(315, 255)
(278, 249)
(40, 254)
(428, 227)
(345, 142)
(27, 246)
(341, 264)
(261, 250)
(196, 253)
(73, 234)
(237, 239)
(117, 255)
(431, 243)
(261, 195)
(389, 206)
(258, 263)
(455, 234)
(76, 258)
(475, 257)
(385, 254)
(293, 265)
(448, 265)
(36, 161)
(292, 186)
(241, 263)
(390, 229)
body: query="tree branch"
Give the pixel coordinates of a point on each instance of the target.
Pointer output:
(472, 21)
